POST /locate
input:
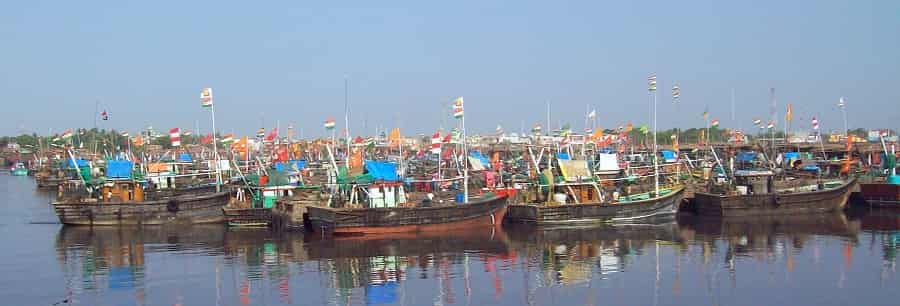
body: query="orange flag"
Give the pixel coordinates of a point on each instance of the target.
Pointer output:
(598, 134)
(394, 137)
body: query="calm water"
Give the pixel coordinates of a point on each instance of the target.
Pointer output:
(842, 259)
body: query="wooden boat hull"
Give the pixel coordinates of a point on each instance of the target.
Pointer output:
(774, 204)
(376, 221)
(658, 208)
(880, 194)
(187, 209)
(248, 217)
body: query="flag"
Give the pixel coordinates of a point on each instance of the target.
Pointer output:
(272, 135)
(394, 137)
(458, 108)
(369, 142)
(592, 114)
(104, 115)
(66, 135)
(757, 122)
(456, 136)
(208, 139)
(329, 124)
(675, 143)
(841, 103)
(815, 123)
(261, 133)
(644, 129)
(175, 137)
(436, 143)
(206, 97)
(714, 123)
(448, 138)
(676, 93)
(789, 115)
(124, 134)
(598, 134)
(138, 141)
(565, 131)
(651, 82)
(706, 113)
(228, 139)
(629, 128)
(771, 124)
(186, 133)
(499, 130)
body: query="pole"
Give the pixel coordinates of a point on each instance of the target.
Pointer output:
(548, 119)
(655, 150)
(347, 118)
(212, 111)
(466, 159)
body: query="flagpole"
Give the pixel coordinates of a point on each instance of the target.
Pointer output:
(466, 160)
(655, 150)
(212, 110)
(347, 119)
(844, 112)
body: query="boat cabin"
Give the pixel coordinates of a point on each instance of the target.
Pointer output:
(754, 181)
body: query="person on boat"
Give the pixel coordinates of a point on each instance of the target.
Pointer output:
(426, 202)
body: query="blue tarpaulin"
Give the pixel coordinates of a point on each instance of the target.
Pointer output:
(791, 155)
(118, 168)
(383, 171)
(185, 157)
(381, 294)
(291, 165)
(81, 163)
(562, 156)
(484, 160)
(746, 156)
(668, 156)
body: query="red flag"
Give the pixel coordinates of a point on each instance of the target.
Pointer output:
(207, 139)
(272, 135)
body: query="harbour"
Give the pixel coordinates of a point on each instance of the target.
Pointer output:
(690, 259)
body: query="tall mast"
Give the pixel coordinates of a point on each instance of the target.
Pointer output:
(347, 118)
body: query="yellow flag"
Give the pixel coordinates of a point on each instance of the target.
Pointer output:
(790, 113)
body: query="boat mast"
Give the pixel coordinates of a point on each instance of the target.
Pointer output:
(652, 87)
(347, 119)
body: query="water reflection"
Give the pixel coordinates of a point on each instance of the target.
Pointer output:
(691, 259)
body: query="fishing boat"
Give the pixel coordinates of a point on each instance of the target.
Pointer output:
(754, 193)
(884, 189)
(120, 197)
(252, 207)
(124, 203)
(882, 194)
(379, 204)
(576, 198)
(479, 213)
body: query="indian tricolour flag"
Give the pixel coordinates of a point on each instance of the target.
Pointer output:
(329, 123)
(714, 123)
(206, 97)
(228, 139)
(67, 134)
(458, 108)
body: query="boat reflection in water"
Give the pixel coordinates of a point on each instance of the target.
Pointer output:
(690, 260)
(573, 255)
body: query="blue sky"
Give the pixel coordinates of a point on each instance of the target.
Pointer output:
(145, 62)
